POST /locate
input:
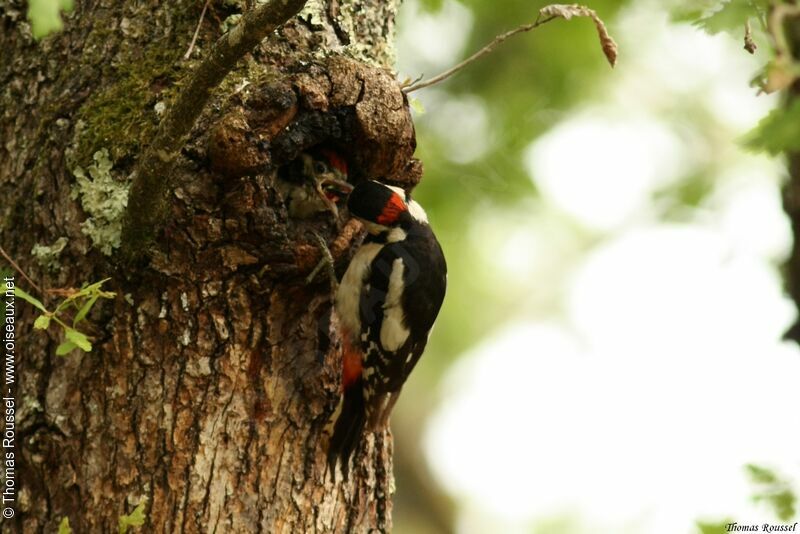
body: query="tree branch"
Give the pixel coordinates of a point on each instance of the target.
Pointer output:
(147, 199)
(20, 271)
(477, 55)
(546, 14)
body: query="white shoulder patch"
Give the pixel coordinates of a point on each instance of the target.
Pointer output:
(395, 235)
(416, 211)
(394, 332)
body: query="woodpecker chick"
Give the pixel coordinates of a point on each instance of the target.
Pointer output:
(386, 305)
(314, 183)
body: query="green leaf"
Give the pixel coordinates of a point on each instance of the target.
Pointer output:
(87, 306)
(760, 475)
(80, 339)
(134, 519)
(728, 18)
(42, 322)
(715, 16)
(784, 503)
(692, 11)
(90, 289)
(63, 527)
(45, 16)
(778, 132)
(775, 491)
(65, 348)
(416, 105)
(29, 298)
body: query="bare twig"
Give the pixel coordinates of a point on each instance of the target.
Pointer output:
(546, 14)
(188, 53)
(749, 44)
(477, 55)
(149, 190)
(608, 44)
(20, 271)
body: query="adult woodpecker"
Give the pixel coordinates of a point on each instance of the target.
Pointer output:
(386, 304)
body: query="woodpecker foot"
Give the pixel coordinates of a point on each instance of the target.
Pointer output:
(325, 262)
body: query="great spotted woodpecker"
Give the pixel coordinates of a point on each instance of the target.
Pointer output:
(313, 183)
(386, 305)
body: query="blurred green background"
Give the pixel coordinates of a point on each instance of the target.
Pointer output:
(609, 355)
(609, 358)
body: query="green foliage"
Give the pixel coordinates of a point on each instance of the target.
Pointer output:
(416, 105)
(735, 17)
(730, 16)
(777, 132)
(42, 322)
(79, 301)
(63, 527)
(65, 348)
(694, 10)
(773, 490)
(760, 475)
(29, 298)
(134, 519)
(104, 199)
(78, 339)
(45, 16)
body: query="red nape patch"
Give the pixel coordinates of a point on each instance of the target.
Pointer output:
(351, 364)
(335, 160)
(392, 210)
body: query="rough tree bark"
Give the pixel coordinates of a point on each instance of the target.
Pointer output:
(214, 370)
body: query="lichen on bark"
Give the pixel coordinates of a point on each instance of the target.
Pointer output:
(104, 200)
(215, 369)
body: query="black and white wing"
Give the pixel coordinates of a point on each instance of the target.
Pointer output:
(399, 304)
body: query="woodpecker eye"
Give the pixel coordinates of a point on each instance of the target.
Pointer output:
(320, 168)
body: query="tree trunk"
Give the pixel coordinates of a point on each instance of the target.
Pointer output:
(215, 369)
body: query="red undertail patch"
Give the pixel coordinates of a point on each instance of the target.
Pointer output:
(351, 364)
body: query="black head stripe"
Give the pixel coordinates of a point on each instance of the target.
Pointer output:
(368, 200)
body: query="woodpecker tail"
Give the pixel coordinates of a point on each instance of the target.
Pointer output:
(348, 428)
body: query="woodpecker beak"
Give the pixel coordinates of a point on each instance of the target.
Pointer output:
(335, 189)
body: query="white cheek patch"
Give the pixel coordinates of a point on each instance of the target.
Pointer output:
(399, 190)
(414, 209)
(394, 332)
(348, 297)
